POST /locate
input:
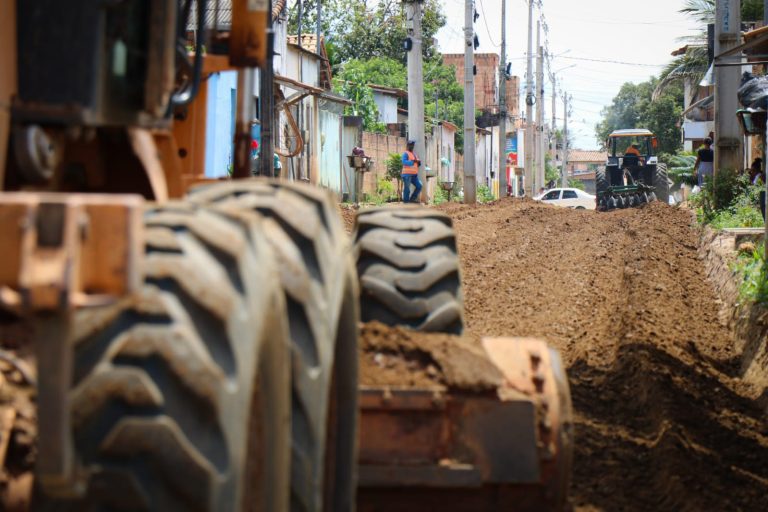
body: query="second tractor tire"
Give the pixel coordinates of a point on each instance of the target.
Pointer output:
(409, 269)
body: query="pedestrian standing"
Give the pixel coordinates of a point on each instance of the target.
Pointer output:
(410, 174)
(705, 162)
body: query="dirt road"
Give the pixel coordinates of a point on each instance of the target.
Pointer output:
(662, 422)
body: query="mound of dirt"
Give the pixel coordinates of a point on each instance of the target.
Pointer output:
(662, 419)
(394, 356)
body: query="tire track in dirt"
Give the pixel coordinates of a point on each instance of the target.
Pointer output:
(660, 422)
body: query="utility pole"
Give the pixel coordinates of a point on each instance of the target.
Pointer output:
(319, 25)
(564, 171)
(529, 100)
(470, 185)
(416, 88)
(503, 104)
(553, 132)
(541, 159)
(267, 102)
(729, 153)
(554, 105)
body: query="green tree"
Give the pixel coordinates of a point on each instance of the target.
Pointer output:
(378, 70)
(440, 81)
(693, 64)
(634, 107)
(355, 87)
(624, 111)
(362, 30)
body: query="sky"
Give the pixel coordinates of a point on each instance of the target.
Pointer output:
(637, 36)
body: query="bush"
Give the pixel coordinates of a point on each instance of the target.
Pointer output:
(440, 196)
(394, 166)
(754, 268)
(385, 188)
(484, 194)
(680, 169)
(728, 200)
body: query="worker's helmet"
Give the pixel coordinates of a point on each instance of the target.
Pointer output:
(411, 142)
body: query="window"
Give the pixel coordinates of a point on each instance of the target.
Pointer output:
(554, 194)
(569, 194)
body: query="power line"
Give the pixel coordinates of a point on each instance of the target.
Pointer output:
(485, 21)
(613, 62)
(625, 22)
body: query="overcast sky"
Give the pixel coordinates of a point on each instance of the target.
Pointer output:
(640, 34)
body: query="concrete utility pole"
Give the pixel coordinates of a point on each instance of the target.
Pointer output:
(267, 102)
(553, 129)
(470, 185)
(529, 100)
(416, 88)
(729, 152)
(554, 106)
(503, 104)
(541, 159)
(243, 118)
(564, 170)
(319, 29)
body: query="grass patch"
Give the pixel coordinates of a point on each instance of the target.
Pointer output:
(754, 269)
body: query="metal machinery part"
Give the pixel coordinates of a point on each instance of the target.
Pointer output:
(508, 450)
(504, 449)
(35, 152)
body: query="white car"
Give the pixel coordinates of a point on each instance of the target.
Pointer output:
(568, 197)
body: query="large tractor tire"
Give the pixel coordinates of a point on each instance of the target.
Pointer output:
(181, 393)
(601, 189)
(408, 267)
(661, 183)
(318, 278)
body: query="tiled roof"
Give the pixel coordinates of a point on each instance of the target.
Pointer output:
(577, 155)
(390, 90)
(308, 41)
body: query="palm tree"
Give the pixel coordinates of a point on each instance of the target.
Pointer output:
(694, 63)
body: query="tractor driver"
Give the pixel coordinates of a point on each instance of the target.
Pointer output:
(634, 150)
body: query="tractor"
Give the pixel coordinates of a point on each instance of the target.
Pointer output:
(633, 175)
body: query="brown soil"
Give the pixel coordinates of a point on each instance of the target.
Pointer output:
(348, 214)
(662, 420)
(393, 356)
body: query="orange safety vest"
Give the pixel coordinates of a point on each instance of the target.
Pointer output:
(411, 169)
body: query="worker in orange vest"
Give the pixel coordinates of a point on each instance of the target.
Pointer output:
(410, 174)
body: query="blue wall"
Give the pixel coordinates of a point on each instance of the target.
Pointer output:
(220, 131)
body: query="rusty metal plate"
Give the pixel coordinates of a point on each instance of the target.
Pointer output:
(248, 36)
(68, 250)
